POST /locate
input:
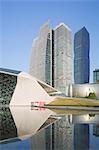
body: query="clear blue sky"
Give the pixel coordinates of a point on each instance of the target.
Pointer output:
(20, 21)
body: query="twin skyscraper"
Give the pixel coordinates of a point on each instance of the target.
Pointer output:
(51, 58)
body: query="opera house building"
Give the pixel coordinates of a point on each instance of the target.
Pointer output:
(19, 88)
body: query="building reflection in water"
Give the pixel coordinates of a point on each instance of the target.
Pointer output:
(21, 122)
(44, 130)
(82, 130)
(96, 129)
(57, 136)
(8, 128)
(70, 132)
(81, 137)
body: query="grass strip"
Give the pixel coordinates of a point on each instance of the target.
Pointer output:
(74, 102)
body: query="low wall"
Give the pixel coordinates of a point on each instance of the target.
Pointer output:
(83, 90)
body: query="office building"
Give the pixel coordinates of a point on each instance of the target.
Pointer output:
(81, 56)
(41, 61)
(51, 58)
(62, 57)
(96, 76)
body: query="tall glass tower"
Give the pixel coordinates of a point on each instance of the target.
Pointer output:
(51, 58)
(41, 56)
(62, 57)
(81, 56)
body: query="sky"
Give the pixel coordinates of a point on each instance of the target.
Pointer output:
(20, 21)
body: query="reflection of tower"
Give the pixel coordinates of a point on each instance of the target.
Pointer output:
(96, 129)
(81, 136)
(37, 142)
(57, 136)
(42, 140)
(62, 134)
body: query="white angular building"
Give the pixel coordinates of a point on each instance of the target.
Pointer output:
(21, 89)
(51, 58)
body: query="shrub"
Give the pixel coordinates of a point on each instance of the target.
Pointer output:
(92, 95)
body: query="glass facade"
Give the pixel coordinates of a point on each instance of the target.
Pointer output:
(81, 57)
(81, 132)
(57, 136)
(48, 60)
(41, 57)
(51, 59)
(96, 76)
(62, 57)
(96, 130)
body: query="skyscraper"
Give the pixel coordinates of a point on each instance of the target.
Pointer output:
(41, 57)
(96, 76)
(62, 57)
(81, 56)
(51, 58)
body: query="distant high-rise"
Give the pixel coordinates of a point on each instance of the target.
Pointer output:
(96, 76)
(81, 56)
(51, 59)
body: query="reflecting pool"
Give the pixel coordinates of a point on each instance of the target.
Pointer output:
(44, 129)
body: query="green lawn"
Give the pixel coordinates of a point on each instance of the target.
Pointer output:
(74, 102)
(69, 111)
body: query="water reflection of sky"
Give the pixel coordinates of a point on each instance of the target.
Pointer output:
(21, 145)
(23, 128)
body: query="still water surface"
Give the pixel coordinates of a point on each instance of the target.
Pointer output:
(27, 128)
